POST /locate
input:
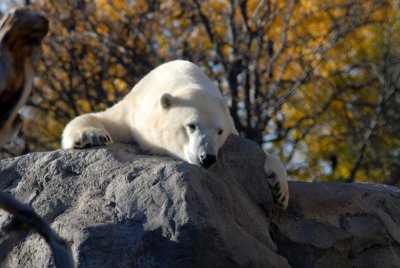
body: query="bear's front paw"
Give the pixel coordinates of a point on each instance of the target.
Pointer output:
(279, 189)
(90, 137)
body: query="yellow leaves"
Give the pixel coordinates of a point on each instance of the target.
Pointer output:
(326, 69)
(218, 5)
(98, 53)
(117, 9)
(343, 170)
(108, 85)
(120, 85)
(84, 105)
(117, 70)
(102, 29)
(107, 10)
(310, 5)
(198, 38)
(114, 86)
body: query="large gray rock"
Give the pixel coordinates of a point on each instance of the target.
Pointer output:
(339, 225)
(118, 208)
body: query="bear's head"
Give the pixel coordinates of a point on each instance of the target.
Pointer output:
(198, 124)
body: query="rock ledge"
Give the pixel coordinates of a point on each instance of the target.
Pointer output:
(118, 208)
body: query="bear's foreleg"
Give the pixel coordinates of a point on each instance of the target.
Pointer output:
(85, 131)
(277, 180)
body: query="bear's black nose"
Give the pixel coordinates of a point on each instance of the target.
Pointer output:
(207, 160)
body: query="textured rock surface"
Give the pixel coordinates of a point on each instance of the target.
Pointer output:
(121, 209)
(339, 225)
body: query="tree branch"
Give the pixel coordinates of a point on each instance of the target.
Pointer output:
(25, 218)
(21, 31)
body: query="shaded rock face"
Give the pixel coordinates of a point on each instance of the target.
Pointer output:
(339, 225)
(118, 208)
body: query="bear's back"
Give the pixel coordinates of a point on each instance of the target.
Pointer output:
(173, 77)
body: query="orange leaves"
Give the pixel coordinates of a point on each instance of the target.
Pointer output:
(105, 8)
(301, 70)
(84, 105)
(102, 29)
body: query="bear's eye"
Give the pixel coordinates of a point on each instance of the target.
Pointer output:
(191, 126)
(220, 131)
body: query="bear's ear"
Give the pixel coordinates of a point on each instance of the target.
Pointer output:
(166, 100)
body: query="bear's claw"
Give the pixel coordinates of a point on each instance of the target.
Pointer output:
(280, 192)
(280, 196)
(277, 179)
(91, 137)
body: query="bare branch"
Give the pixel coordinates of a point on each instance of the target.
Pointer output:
(210, 33)
(390, 84)
(25, 218)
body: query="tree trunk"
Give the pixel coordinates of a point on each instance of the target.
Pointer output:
(21, 31)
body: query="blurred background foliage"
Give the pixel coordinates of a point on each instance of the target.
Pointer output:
(315, 82)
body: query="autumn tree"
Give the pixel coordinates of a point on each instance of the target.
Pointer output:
(91, 58)
(314, 81)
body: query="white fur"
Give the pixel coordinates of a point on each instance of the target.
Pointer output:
(159, 114)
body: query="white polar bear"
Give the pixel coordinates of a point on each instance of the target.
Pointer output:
(174, 110)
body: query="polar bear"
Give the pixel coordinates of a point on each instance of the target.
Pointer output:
(174, 110)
